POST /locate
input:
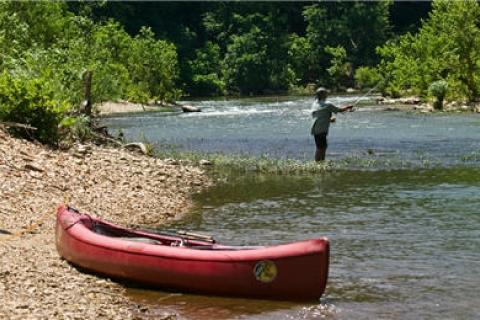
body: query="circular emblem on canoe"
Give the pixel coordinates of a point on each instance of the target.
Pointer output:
(265, 271)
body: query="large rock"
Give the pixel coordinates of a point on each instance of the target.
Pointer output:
(189, 108)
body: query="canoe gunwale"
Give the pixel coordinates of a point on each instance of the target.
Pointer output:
(80, 232)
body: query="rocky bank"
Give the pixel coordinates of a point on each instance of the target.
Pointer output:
(115, 184)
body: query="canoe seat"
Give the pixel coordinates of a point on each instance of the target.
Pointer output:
(141, 239)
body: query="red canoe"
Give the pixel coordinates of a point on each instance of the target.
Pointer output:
(293, 271)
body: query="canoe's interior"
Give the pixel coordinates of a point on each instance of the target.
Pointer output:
(160, 239)
(133, 235)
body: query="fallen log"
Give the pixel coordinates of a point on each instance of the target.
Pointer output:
(138, 146)
(17, 125)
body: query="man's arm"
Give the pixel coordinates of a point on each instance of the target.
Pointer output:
(335, 109)
(341, 109)
(346, 108)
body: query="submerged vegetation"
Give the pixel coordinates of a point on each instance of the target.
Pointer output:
(219, 162)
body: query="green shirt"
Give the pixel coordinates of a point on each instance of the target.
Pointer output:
(322, 112)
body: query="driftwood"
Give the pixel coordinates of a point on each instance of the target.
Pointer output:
(137, 146)
(130, 146)
(104, 138)
(17, 125)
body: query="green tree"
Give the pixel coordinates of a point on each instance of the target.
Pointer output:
(438, 89)
(47, 50)
(301, 59)
(447, 46)
(340, 69)
(257, 56)
(246, 63)
(152, 65)
(27, 24)
(207, 72)
(358, 27)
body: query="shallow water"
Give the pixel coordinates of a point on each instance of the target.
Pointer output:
(405, 243)
(281, 129)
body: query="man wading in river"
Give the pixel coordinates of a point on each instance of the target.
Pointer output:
(322, 112)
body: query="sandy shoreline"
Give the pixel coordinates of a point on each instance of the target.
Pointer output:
(117, 185)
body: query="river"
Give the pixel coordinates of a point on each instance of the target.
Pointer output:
(405, 237)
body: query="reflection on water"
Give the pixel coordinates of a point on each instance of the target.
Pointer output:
(206, 308)
(405, 244)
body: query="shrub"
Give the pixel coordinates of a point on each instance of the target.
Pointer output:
(438, 89)
(74, 128)
(29, 101)
(340, 69)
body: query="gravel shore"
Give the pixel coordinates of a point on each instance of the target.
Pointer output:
(117, 185)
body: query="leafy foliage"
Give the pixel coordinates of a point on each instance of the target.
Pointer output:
(367, 77)
(447, 46)
(30, 102)
(74, 128)
(256, 55)
(340, 69)
(438, 89)
(295, 35)
(152, 65)
(344, 25)
(207, 71)
(245, 63)
(46, 51)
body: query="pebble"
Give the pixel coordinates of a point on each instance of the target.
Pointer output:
(117, 185)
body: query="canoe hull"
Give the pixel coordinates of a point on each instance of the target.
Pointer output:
(296, 271)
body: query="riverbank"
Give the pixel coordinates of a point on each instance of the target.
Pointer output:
(416, 104)
(115, 184)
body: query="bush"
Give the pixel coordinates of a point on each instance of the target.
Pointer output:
(438, 89)
(29, 101)
(74, 128)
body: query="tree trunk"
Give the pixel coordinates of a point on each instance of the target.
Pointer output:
(87, 102)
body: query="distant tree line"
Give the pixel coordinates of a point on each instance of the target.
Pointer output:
(255, 48)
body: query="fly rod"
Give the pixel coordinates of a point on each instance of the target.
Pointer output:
(370, 91)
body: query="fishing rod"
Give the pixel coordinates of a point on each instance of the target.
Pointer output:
(369, 91)
(333, 118)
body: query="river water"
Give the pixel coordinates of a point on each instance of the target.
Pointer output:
(405, 239)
